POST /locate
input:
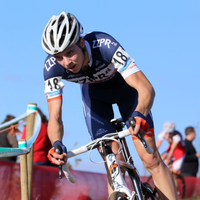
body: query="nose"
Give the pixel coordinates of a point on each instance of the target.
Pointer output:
(66, 61)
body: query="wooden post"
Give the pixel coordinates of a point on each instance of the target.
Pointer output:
(29, 133)
(24, 173)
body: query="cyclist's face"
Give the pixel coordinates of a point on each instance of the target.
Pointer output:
(71, 58)
(168, 137)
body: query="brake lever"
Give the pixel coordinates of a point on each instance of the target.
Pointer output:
(58, 150)
(142, 140)
(132, 122)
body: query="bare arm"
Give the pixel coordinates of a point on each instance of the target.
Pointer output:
(55, 130)
(146, 96)
(172, 149)
(55, 124)
(158, 144)
(145, 91)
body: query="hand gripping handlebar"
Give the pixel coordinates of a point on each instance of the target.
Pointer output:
(141, 139)
(88, 147)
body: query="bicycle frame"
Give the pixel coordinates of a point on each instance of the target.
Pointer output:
(118, 181)
(114, 165)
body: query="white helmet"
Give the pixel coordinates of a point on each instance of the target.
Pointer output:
(169, 127)
(61, 32)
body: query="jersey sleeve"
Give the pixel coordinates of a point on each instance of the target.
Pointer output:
(161, 136)
(112, 52)
(53, 79)
(124, 63)
(176, 138)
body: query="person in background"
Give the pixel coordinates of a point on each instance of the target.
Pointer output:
(174, 155)
(8, 138)
(190, 164)
(42, 143)
(176, 150)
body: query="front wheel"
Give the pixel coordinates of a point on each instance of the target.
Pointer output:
(117, 196)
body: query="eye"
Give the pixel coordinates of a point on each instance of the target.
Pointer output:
(69, 53)
(58, 58)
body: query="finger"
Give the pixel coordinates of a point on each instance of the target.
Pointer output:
(55, 158)
(58, 156)
(57, 162)
(137, 129)
(55, 154)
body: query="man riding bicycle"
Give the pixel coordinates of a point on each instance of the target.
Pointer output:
(107, 75)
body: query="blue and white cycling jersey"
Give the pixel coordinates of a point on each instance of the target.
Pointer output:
(102, 85)
(107, 58)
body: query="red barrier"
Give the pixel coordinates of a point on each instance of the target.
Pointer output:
(47, 185)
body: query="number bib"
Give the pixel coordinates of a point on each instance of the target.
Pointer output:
(53, 87)
(124, 63)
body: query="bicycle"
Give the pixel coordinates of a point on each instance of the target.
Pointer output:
(122, 191)
(180, 184)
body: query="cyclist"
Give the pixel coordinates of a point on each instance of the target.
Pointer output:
(107, 75)
(174, 155)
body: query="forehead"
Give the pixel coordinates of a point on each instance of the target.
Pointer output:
(169, 134)
(65, 51)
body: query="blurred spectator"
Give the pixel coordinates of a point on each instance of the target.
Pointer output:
(174, 155)
(8, 138)
(42, 143)
(191, 163)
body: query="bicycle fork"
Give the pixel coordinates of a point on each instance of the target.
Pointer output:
(117, 179)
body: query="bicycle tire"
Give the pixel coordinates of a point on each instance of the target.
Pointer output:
(180, 189)
(150, 182)
(148, 192)
(117, 196)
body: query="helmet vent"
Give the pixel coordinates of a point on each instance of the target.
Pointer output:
(73, 34)
(62, 37)
(45, 45)
(52, 40)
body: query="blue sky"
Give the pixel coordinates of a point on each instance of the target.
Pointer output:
(162, 36)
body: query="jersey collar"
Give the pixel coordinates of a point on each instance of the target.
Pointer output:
(89, 53)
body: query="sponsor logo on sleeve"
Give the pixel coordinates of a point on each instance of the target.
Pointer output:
(55, 94)
(50, 63)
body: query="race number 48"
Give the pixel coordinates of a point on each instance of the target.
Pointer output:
(53, 84)
(120, 57)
